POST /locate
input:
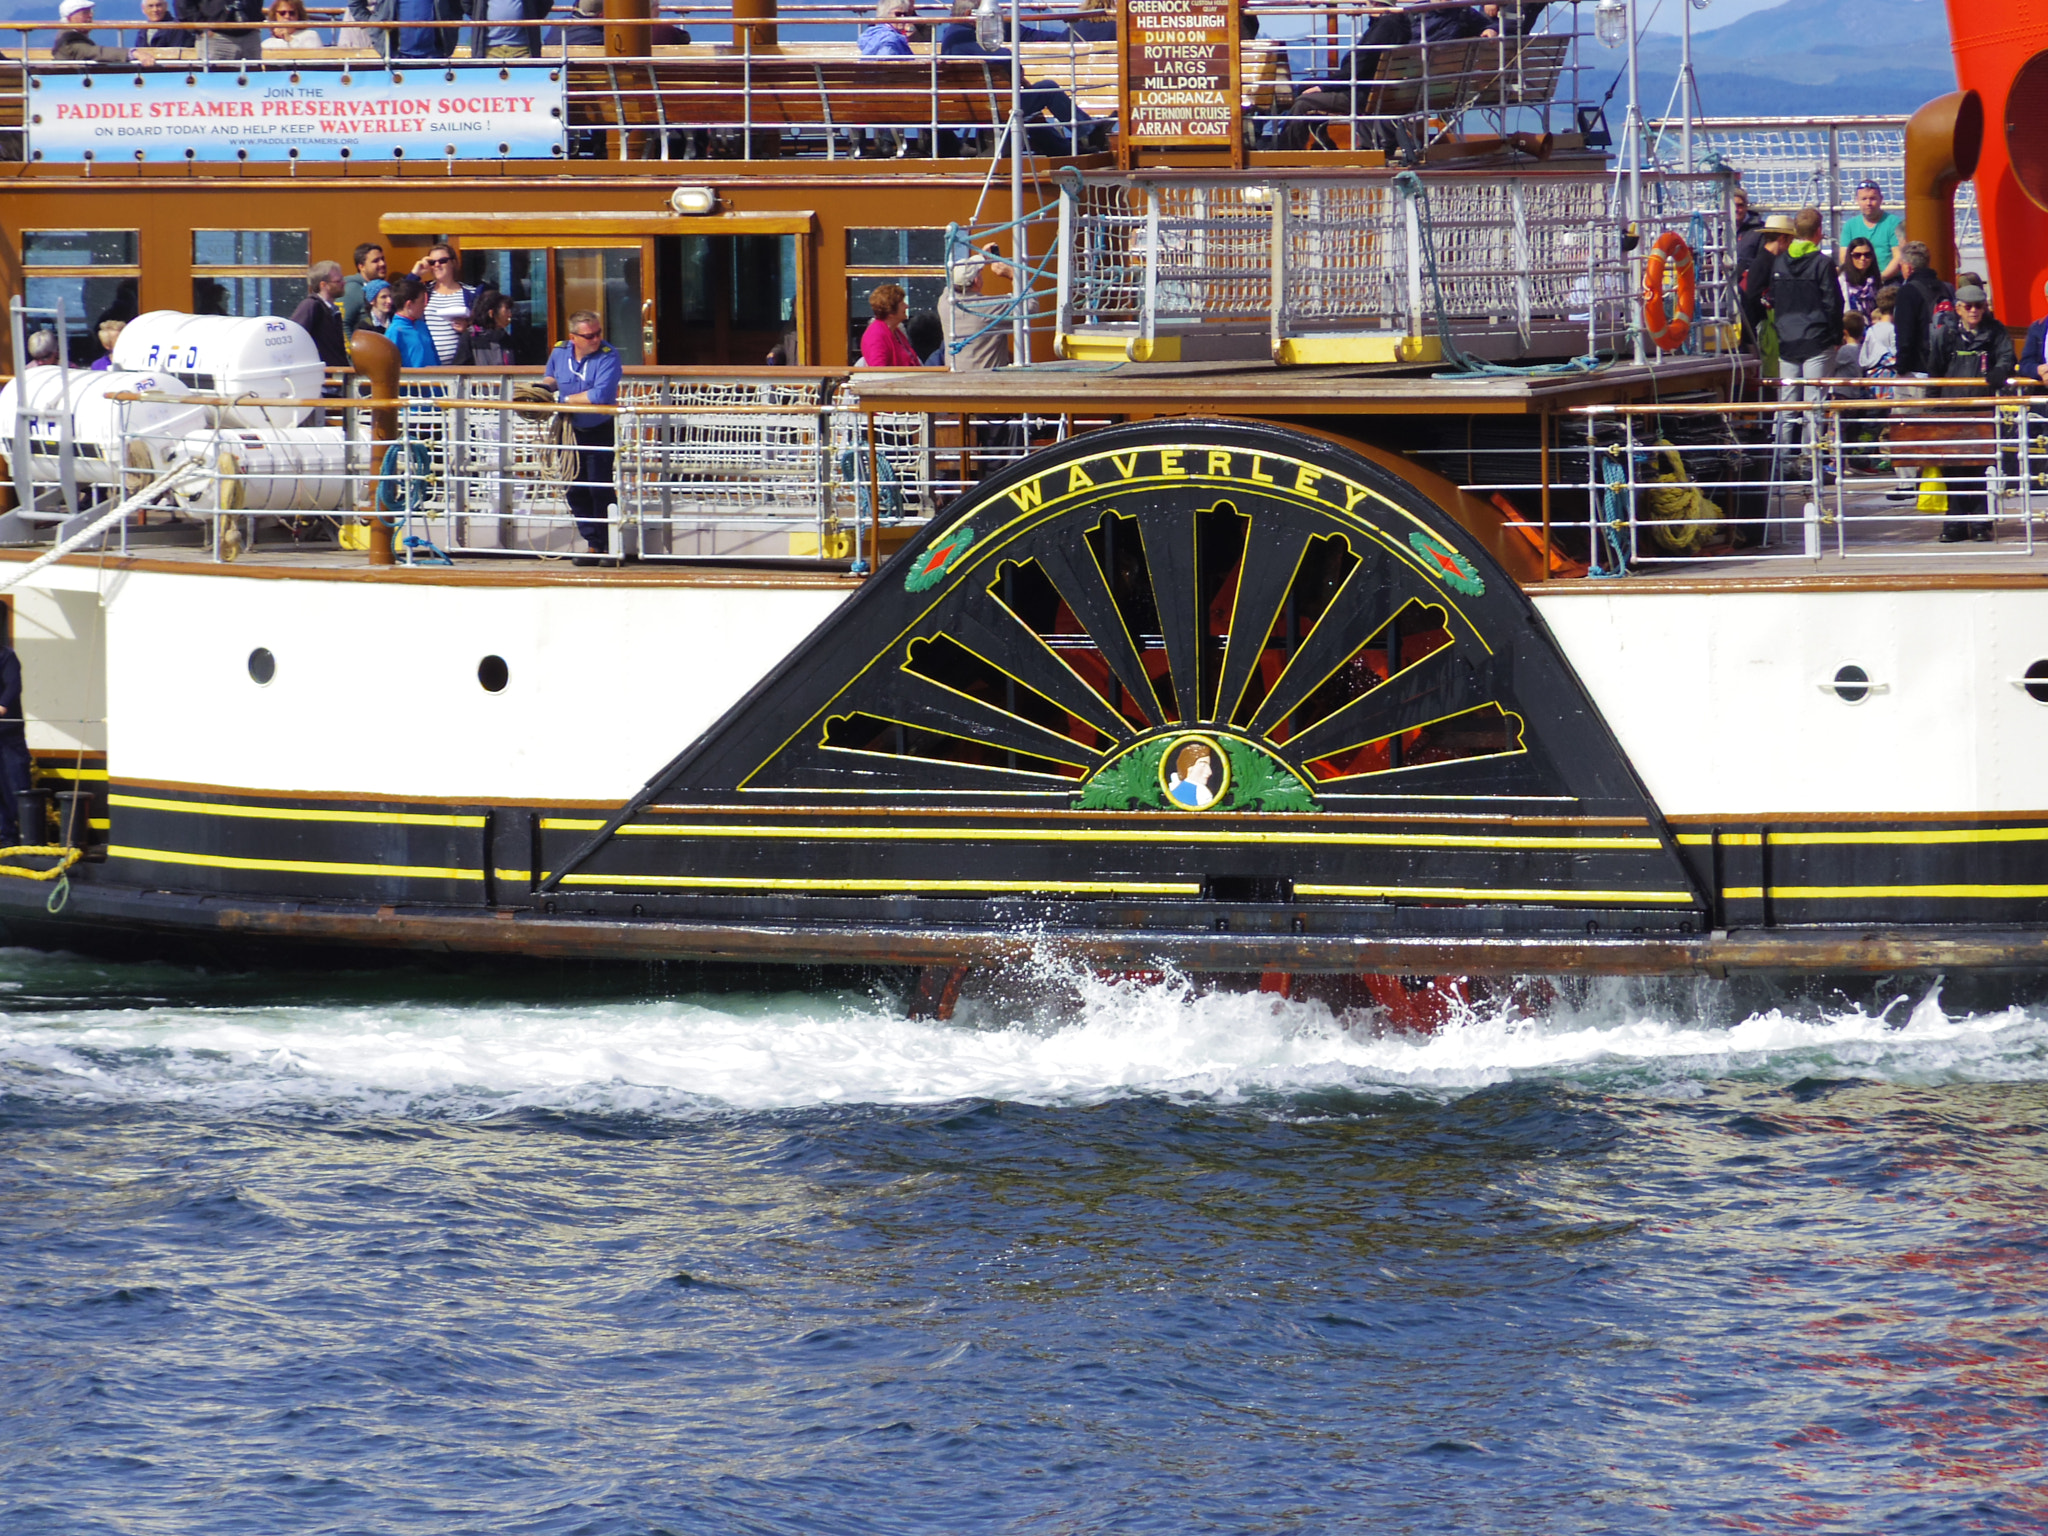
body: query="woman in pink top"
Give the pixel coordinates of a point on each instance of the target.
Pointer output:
(883, 344)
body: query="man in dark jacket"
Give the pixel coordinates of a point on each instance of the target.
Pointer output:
(1920, 296)
(14, 764)
(1976, 346)
(1515, 18)
(426, 42)
(231, 27)
(587, 33)
(1749, 231)
(957, 39)
(2034, 356)
(494, 39)
(370, 268)
(320, 312)
(155, 33)
(1343, 95)
(1800, 283)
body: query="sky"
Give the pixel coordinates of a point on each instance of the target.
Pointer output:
(1717, 14)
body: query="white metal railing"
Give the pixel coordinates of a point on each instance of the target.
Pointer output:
(1841, 471)
(702, 467)
(796, 471)
(1538, 256)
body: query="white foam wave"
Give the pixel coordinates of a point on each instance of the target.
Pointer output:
(1043, 1038)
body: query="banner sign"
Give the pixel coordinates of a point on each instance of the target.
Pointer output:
(297, 114)
(1180, 72)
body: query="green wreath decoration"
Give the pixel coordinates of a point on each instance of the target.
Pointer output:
(932, 565)
(1447, 565)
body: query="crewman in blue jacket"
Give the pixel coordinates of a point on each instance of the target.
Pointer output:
(587, 371)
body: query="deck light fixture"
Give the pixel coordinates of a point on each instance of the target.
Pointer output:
(988, 26)
(694, 199)
(1610, 22)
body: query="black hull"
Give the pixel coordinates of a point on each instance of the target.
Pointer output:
(1208, 695)
(101, 919)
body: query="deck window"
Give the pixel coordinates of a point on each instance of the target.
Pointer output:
(916, 258)
(93, 273)
(248, 272)
(605, 280)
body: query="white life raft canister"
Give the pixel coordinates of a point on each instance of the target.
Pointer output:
(269, 469)
(156, 428)
(265, 358)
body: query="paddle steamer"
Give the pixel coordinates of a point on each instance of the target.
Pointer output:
(1368, 567)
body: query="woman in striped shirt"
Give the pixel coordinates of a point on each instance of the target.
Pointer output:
(447, 300)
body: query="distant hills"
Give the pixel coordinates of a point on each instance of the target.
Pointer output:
(1810, 58)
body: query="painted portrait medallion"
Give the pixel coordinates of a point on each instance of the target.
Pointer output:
(1193, 773)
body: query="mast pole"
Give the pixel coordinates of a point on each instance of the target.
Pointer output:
(1020, 336)
(1634, 140)
(1686, 103)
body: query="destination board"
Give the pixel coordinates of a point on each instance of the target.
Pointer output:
(1180, 72)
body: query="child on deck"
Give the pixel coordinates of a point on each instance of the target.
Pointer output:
(1880, 354)
(1880, 360)
(1849, 355)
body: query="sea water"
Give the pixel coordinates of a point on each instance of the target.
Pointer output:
(437, 1253)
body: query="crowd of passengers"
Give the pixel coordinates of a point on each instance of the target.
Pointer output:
(1873, 307)
(247, 29)
(506, 29)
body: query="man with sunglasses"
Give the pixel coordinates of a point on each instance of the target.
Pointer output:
(586, 371)
(1975, 345)
(1885, 231)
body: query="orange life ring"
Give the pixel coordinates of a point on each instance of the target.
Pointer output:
(1668, 328)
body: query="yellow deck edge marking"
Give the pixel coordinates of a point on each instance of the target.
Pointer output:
(1453, 893)
(290, 866)
(746, 883)
(1176, 832)
(1957, 835)
(293, 813)
(1905, 892)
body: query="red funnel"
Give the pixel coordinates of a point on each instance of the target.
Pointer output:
(2002, 54)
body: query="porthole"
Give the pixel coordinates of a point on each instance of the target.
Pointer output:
(493, 674)
(1852, 685)
(2036, 682)
(262, 666)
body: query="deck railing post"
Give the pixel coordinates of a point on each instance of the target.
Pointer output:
(1411, 208)
(1524, 259)
(1149, 303)
(1278, 267)
(2025, 420)
(24, 481)
(1063, 306)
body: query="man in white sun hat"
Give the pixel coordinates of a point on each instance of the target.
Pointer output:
(75, 42)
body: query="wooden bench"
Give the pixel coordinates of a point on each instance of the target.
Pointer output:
(777, 93)
(1445, 79)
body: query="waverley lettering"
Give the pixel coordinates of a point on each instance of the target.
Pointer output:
(313, 117)
(1225, 467)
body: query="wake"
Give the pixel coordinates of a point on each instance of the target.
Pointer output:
(1047, 1034)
